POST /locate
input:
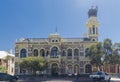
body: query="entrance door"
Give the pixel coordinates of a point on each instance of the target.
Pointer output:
(76, 69)
(54, 69)
(88, 68)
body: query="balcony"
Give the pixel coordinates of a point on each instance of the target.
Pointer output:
(56, 56)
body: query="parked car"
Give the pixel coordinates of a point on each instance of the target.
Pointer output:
(7, 77)
(100, 76)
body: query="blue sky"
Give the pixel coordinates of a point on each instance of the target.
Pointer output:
(39, 18)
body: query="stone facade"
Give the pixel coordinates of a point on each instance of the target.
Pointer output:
(64, 55)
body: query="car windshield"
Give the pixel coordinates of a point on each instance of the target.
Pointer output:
(99, 73)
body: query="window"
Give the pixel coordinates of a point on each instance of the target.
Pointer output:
(54, 52)
(42, 52)
(86, 51)
(69, 51)
(23, 53)
(56, 40)
(76, 52)
(63, 53)
(93, 39)
(52, 40)
(35, 52)
(47, 53)
(93, 29)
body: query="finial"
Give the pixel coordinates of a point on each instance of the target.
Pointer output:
(56, 30)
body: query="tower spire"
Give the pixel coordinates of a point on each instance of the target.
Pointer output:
(56, 29)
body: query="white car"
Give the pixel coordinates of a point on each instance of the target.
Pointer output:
(100, 76)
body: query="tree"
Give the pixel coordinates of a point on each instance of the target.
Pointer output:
(3, 69)
(95, 53)
(104, 53)
(114, 58)
(111, 53)
(107, 44)
(33, 63)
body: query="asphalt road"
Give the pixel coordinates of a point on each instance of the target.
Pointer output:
(66, 80)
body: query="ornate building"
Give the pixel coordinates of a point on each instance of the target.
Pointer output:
(64, 55)
(7, 62)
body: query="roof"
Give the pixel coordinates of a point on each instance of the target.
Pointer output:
(4, 54)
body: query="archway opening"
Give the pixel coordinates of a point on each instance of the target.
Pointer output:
(54, 69)
(76, 69)
(88, 68)
(54, 52)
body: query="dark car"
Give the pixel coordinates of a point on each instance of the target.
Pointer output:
(8, 77)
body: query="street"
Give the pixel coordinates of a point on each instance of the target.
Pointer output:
(65, 80)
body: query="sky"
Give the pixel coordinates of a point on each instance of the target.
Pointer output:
(39, 18)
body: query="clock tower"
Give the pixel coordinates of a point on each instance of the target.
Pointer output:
(93, 24)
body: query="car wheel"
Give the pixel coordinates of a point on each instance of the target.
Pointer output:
(94, 80)
(109, 80)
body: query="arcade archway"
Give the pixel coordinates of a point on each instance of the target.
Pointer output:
(54, 69)
(88, 68)
(76, 69)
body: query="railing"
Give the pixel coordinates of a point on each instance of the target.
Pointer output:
(54, 56)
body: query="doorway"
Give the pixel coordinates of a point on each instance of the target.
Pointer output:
(54, 69)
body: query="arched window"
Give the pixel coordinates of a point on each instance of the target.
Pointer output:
(69, 52)
(23, 53)
(93, 39)
(76, 52)
(47, 53)
(35, 52)
(93, 29)
(86, 51)
(63, 53)
(42, 52)
(54, 52)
